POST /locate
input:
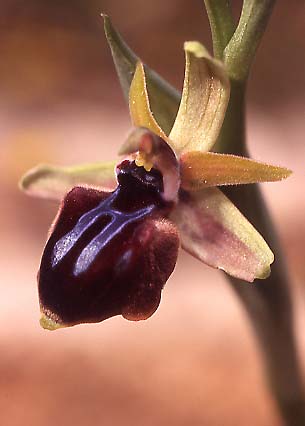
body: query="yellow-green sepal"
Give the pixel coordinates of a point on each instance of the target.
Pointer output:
(214, 231)
(205, 96)
(53, 182)
(204, 169)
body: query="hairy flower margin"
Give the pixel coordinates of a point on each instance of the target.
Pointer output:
(115, 239)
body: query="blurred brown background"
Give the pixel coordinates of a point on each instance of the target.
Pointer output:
(195, 361)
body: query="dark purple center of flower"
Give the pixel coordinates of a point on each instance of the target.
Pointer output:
(87, 268)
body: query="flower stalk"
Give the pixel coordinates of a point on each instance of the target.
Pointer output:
(221, 23)
(239, 53)
(269, 303)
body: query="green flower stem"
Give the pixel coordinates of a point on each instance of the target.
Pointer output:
(268, 303)
(222, 24)
(232, 137)
(240, 51)
(269, 306)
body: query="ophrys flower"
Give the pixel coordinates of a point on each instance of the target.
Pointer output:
(111, 253)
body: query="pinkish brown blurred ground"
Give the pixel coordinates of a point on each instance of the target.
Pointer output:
(195, 362)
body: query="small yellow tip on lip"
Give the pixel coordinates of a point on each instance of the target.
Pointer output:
(48, 324)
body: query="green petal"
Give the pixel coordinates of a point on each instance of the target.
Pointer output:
(214, 231)
(141, 115)
(164, 98)
(51, 182)
(205, 97)
(203, 169)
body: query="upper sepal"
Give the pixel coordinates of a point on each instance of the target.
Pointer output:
(205, 96)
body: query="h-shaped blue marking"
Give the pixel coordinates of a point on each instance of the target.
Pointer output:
(118, 221)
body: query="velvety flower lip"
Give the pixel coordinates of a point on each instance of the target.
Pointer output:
(108, 253)
(114, 243)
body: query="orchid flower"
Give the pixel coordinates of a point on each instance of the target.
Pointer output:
(114, 242)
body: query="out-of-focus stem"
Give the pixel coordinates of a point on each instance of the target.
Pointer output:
(268, 303)
(269, 306)
(221, 23)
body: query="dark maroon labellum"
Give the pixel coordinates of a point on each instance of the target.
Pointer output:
(109, 253)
